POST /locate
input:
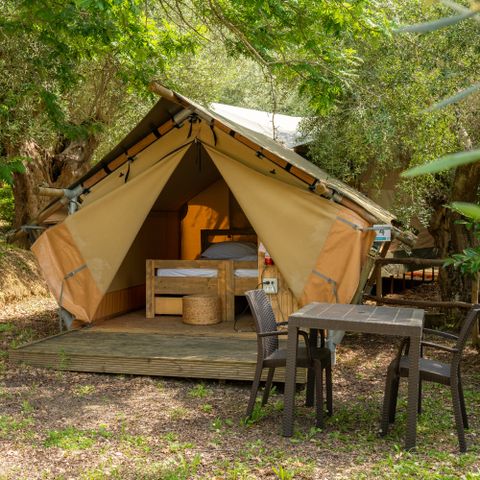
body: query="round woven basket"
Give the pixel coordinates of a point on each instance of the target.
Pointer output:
(201, 310)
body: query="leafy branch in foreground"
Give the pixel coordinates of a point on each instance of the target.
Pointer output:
(468, 261)
(444, 163)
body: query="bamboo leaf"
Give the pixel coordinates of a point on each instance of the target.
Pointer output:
(470, 210)
(455, 98)
(426, 27)
(444, 163)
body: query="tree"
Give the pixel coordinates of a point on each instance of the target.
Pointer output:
(383, 125)
(67, 68)
(74, 68)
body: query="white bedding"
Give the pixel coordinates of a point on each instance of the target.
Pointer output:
(203, 272)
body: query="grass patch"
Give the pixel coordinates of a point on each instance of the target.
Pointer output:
(27, 407)
(72, 438)
(178, 413)
(7, 327)
(23, 336)
(10, 425)
(136, 441)
(198, 391)
(404, 465)
(206, 408)
(84, 390)
(283, 473)
(219, 424)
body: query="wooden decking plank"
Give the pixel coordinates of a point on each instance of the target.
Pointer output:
(159, 353)
(153, 346)
(154, 367)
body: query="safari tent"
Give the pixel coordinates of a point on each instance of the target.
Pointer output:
(142, 221)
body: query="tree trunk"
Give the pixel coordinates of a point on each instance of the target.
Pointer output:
(60, 169)
(450, 236)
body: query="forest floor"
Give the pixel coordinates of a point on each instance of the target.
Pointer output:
(64, 425)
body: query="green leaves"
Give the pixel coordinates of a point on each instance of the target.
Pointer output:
(311, 43)
(467, 262)
(444, 163)
(9, 167)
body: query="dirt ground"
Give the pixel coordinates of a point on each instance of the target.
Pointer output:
(64, 425)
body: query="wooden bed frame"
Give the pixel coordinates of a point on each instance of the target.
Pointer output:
(163, 294)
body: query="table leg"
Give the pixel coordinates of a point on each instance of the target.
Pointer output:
(413, 385)
(313, 344)
(290, 381)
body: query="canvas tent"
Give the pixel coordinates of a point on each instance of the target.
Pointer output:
(183, 168)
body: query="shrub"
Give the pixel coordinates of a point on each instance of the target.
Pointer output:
(7, 205)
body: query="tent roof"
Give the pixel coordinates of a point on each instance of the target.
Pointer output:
(173, 109)
(286, 127)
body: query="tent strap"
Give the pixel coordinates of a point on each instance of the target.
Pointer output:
(350, 224)
(61, 310)
(329, 280)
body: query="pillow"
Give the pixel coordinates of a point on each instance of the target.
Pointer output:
(230, 250)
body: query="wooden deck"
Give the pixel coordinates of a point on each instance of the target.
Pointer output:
(132, 344)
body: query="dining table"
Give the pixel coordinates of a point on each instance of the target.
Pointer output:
(373, 319)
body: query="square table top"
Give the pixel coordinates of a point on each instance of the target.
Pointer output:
(360, 318)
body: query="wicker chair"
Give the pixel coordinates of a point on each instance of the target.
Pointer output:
(432, 371)
(270, 356)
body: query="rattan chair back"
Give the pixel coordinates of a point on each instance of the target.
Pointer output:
(464, 334)
(264, 320)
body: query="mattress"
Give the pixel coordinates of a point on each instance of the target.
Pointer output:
(203, 272)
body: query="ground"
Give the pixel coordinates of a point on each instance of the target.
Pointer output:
(64, 425)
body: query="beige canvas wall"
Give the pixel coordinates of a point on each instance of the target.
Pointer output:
(63, 267)
(157, 238)
(167, 144)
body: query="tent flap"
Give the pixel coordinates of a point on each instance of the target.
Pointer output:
(99, 236)
(298, 227)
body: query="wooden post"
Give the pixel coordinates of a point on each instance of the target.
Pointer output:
(150, 288)
(228, 294)
(475, 292)
(378, 283)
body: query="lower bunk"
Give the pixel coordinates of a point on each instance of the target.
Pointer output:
(167, 281)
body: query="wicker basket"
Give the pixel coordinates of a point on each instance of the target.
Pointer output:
(201, 309)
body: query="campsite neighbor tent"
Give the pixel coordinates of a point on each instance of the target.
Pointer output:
(184, 168)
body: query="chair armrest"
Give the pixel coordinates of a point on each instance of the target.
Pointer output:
(282, 324)
(271, 334)
(439, 347)
(439, 333)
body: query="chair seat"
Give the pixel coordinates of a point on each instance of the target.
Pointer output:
(430, 370)
(279, 357)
